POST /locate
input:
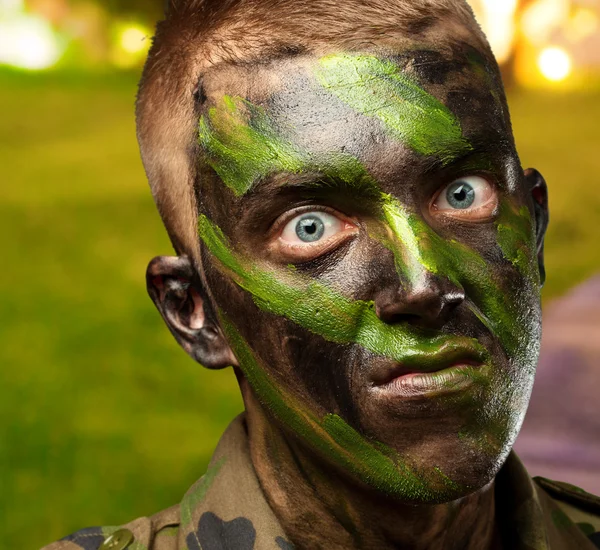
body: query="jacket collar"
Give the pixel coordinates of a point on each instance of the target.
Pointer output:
(528, 518)
(227, 508)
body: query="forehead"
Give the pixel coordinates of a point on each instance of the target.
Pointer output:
(459, 75)
(416, 106)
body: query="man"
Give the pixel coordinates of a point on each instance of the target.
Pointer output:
(357, 238)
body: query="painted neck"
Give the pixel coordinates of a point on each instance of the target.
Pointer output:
(320, 508)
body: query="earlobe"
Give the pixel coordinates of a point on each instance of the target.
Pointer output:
(539, 191)
(179, 296)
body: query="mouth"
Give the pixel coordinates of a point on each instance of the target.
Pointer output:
(449, 369)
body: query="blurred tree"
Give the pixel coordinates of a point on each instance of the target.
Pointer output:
(147, 10)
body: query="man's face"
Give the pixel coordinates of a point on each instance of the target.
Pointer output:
(369, 243)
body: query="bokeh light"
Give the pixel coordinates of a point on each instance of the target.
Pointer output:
(131, 43)
(132, 39)
(542, 18)
(555, 64)
(582, 25)
(88, 34)
(27, 41)
(497, 18)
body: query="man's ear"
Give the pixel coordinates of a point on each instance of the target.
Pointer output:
(181, 299)
(536, 184)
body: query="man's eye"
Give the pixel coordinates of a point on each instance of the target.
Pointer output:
(311, 234)
(311, 228)
(469, 198)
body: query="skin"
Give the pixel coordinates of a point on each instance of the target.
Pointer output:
(373, 140)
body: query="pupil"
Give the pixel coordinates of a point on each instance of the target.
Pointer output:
(460, 194)
(311, 229)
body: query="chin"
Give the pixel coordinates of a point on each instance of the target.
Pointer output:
(452, 471)
(445, 457)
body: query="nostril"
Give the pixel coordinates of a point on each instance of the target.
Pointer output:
(399, 312)
(409, 318)
(428, 301)
(428, 308)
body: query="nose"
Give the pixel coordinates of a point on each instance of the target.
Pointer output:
(428, 302)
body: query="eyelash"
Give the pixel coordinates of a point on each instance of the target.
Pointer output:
(288, 216)
(306, 252)
(469, 214)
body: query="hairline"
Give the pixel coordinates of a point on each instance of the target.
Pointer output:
(221, 47)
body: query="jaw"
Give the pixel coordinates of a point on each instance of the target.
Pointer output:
(435, 458)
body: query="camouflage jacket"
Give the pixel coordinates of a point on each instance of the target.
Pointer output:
(227, 510)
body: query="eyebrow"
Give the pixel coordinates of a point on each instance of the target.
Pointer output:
(484, 151)
(243, 151)
(363, 185)
(243, 145)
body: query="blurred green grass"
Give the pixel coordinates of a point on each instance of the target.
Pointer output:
(102, 417)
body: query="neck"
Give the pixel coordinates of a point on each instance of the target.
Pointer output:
(319, 508)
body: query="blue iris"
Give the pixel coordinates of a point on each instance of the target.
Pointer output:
(460, 195)
(310, 228)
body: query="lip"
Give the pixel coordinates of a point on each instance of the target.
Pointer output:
(448, 369)
(454, 379)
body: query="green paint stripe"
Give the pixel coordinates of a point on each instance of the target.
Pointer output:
(377, 88)
(516, 239)
(242, 144)
(243, 147)
(323, 311)
(373, 463)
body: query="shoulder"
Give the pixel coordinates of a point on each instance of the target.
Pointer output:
(575, 505)
(158, 532)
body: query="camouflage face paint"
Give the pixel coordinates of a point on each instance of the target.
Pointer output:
(377, 88)
(244, 144)
(464, 266)
(330, 315)
(516, 240)
(324, 312)
(374, 464)
(321, 310)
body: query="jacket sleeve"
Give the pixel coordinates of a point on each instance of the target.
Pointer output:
(159, 532)
(136, 535)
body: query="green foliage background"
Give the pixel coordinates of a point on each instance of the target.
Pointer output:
(146, 10)
(102, 417)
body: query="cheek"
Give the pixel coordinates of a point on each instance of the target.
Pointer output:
(504, 284)
(256, 327)
(301, 363)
